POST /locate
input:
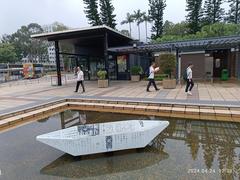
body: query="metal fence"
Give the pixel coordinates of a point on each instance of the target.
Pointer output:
(49, 79)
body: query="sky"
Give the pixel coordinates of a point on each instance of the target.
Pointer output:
(15, 13)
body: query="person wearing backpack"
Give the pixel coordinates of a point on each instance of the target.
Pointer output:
(189, 80)
(152, 70)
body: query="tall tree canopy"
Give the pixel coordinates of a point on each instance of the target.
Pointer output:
(194, 9)
(7, 53)
(207, 31)
(106, 13)
(179, 29)
(234, 12)
(213, 12)
(128, 20)
(91, 11)
(138, 17)
(25, 46)
(156, 14)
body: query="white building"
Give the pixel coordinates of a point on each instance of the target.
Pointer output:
(51, 54)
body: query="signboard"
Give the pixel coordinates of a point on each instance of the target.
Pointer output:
(122, 63)
(28, 70)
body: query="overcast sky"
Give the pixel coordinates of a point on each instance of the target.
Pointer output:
(15, 13)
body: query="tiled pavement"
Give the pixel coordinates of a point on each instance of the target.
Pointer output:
(15, 95)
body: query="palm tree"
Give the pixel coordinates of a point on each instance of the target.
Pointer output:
(146, 19)
(129, 19)
(138, 17)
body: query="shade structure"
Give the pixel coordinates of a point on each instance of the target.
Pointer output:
(208, 43)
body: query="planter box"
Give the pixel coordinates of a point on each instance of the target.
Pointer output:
(169, 83)
(103, 83)
(135, 78)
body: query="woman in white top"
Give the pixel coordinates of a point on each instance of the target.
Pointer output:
(190, 82)
(152, 70)
(80, 79)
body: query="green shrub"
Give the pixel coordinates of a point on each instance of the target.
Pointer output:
(102, 74)
(168, 63)
(158, 77)
(136, 70)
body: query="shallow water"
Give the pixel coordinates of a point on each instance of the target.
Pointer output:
(185, 150)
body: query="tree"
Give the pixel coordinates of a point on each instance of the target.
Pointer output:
(125, 32)
(168, 63)
(179, 29)
(213, 12)
(207, 31)
(194, 9)
(138, 18)
(7, 53)
(91, 11)
(106, 14)
(234, 12)
(25, 46)
(129, 20)
(156, 14)
(146, 19)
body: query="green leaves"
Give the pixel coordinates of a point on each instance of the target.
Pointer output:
(233, 15)
(214, 30)
(25, 46)
(194, 16)
(105, 16)
(91, 11)
(106, 13)
(167, 63)
(7, 53)
(156, 14)
(213, 12)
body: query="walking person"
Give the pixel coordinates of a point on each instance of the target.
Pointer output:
(80, 79)
(190, 83)
(152, 70)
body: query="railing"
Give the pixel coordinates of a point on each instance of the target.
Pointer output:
(46, 79)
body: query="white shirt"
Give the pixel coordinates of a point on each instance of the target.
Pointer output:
(80, 76)
(189, 73)
(151, 73)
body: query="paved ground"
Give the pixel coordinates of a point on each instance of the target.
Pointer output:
(16, 94)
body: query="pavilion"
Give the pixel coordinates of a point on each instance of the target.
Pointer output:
(101, 47)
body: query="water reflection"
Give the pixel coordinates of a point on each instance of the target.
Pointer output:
(182, 146)
(104, 164)
(218, 141)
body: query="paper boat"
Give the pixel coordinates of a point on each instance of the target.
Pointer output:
(104, 137)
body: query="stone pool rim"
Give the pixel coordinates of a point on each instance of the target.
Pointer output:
(186, 110)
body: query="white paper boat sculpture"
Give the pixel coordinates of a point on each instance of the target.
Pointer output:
(104, 137)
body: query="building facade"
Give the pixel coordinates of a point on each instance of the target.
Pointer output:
(100, 47)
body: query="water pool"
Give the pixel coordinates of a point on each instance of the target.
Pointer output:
(185, 150)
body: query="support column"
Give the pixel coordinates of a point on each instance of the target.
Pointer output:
(238, 64)
(178, 67)
(106, 52)
(58, 64)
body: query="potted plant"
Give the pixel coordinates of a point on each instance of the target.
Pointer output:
(135, 73)
(102, 81)
(168, 65)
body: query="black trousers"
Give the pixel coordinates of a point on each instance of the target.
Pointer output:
(82, 84)
(150, 82)
(189, 85)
